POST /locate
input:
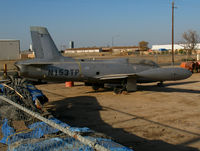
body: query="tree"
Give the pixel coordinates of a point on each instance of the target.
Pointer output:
(143, 45)
(190, 40)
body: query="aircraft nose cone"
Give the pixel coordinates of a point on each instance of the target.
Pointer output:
(188, 73)
(181, 73)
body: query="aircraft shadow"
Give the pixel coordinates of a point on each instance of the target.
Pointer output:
(84, 111)
(100, 90)
(180, 83)
(167, 89)
(156, 88)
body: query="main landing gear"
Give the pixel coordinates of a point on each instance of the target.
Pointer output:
(160, 84)
(96, 87)
(127, 85)
(118, 90)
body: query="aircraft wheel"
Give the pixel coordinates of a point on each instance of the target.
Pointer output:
(160, 84)
(117, 90)
(95, 88)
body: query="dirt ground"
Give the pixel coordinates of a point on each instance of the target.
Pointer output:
(153, 118)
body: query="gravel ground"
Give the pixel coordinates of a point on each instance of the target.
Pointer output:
(153, 118)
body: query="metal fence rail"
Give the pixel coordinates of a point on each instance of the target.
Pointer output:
(66, 130)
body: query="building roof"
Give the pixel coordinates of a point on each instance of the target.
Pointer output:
(124, 47)
(84, 48)
(8, 40)
(169, 46)
(103, 48)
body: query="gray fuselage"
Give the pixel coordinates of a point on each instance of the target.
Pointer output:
(81, 70)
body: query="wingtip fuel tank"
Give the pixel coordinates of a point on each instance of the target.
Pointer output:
(166, 74)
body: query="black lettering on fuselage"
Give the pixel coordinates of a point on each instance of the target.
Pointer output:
(76, 72)
(56, 72)
(66, 72)
(62, 72)
(50, 72)
(71, 72)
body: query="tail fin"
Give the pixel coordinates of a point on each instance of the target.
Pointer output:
(42, 43)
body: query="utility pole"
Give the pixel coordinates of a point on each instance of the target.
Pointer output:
(113, 39)
(173, 32)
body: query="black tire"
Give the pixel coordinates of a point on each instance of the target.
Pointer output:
(95, 88)
(117, 90)
(160, 84)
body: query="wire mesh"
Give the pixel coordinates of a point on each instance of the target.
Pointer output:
(24, 128)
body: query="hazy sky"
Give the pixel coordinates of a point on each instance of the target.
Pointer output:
(95, 22)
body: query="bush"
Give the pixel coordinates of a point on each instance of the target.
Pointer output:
(188, 59)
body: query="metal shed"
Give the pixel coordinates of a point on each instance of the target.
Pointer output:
(9, 49)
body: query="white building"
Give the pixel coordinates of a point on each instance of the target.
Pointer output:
(169, 47)
(9, 49)
(124, 49)
(83, 50)
(104, 49)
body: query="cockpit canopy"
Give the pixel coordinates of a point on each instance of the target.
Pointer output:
(143, 62)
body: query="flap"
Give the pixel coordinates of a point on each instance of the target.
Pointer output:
(116, 76)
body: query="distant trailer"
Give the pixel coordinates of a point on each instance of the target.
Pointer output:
(163, 49)
(9, 49)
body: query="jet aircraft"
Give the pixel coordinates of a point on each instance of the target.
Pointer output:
(50, 65)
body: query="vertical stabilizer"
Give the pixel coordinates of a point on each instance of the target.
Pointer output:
(42, 43)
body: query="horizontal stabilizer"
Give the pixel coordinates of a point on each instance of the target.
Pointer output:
(38, 63)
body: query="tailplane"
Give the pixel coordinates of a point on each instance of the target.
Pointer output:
(42, 43)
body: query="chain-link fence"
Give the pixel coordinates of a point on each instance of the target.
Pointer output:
(24, 126)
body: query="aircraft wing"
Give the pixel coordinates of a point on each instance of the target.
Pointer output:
(153, 74)
(38, 63)
(158, 74)
(116, 76)
(35, 64)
